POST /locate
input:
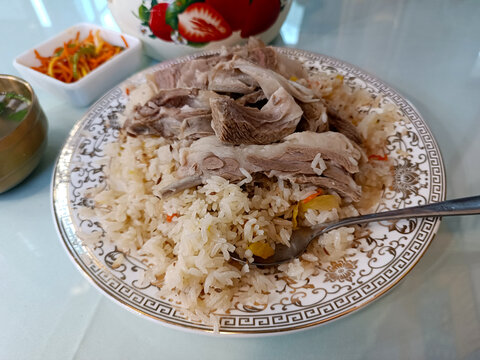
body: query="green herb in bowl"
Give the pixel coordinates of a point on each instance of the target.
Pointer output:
(13, 109)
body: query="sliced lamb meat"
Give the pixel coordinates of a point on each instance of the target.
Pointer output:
(345, 190)
(180, 185)
(239, 109)
(252, 99)
(332, 145)
(226, 79)
(173, 113)
(267, 57)
(270, 81)
(314, 117)
(167, 77)
(345, 127)
(211, 72)
(291, 159)
(289, 67)
(300, 147)
(237, 124)
(171, 123)
(333, 177)
(194, 73)
(176, 98)
(196, 127)
(190, 74)
(263, 56)
(153, 120)
(203, 72)
(336, 172)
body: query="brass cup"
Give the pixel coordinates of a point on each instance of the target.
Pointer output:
(22, 149)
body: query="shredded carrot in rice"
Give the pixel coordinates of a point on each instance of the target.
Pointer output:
(378, 157)
(170, 217)
(76, 58)
(313, 196)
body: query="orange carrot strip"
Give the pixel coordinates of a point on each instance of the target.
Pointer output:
(43, 60)
(66, 69)
(124, 41)
(101, 59)
(170, 217)
(74, 49)
(38, 55)
(83, 62)
(378, 157)
(313, 196)
(61, 77)
(89, 38)
(65, 52)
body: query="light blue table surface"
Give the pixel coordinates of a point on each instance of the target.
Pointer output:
(428, 50)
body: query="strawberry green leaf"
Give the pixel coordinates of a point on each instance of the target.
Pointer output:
(143, 13)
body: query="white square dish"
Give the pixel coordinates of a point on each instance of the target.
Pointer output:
(90, 87)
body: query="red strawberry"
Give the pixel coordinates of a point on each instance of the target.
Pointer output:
(202, 23)
(157, 22)
(261, 15)
(235, 12)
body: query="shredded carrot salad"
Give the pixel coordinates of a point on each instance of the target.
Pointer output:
(76, 58)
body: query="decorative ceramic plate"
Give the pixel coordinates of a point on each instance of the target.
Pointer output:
(342, 286)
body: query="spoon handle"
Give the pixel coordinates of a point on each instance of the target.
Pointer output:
(462, 206)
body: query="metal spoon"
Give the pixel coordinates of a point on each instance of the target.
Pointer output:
(302, 237)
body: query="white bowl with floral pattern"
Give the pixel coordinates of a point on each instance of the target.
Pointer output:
(171, 28)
